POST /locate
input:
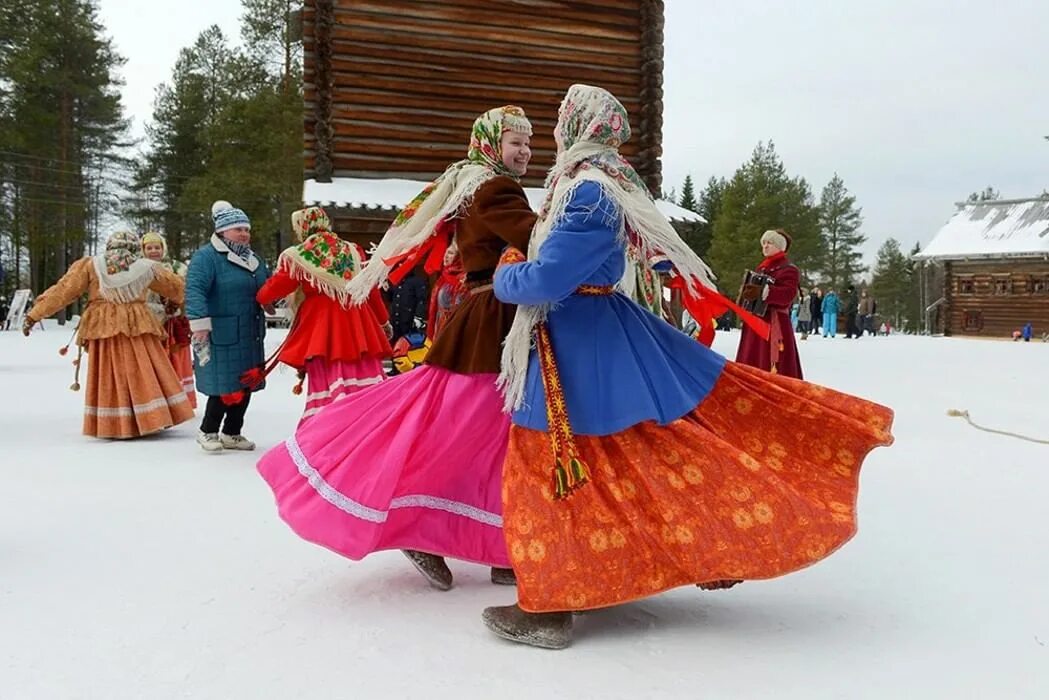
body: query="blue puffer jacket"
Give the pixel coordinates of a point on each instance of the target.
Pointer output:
(830, 303)
(220, 297)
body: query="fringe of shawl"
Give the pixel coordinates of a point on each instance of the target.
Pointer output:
(301, 271)
(452, 192)
(641, 226)
(127, 286)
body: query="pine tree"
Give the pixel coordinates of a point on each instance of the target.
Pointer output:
(185, 113)
(892, 284)
(840, 222)
(688, 195)
(61, 128)
(760, 196)
(229, 126)
(708, 206)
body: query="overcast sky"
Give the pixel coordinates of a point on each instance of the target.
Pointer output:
(915, 103)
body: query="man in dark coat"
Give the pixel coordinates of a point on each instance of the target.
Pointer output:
(816, 302)
(850, 305)
(409, 301)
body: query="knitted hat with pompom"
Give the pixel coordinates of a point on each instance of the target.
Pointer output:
(227, 216)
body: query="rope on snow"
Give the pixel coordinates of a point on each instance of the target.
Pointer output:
(955, 413)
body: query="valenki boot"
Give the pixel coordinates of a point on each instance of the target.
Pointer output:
(432, 567)
(544, 630)
(503, 577)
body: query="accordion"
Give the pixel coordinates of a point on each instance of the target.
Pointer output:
(751, 297)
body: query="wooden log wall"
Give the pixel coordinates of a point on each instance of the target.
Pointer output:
(392, 87)
(995, 298)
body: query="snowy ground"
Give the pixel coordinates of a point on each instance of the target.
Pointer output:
(147, 569)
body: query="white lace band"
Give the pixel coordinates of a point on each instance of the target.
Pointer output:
(358, 510)
(137, 409)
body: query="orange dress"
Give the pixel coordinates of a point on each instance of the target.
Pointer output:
(132, 388)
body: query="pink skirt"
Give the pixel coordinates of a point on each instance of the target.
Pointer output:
(414, 462)
(331, 381)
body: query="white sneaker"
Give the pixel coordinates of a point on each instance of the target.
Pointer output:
(236, 442)
(209, 442)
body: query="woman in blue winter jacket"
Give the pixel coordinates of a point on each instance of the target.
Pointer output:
(228, 325)
(830, 313)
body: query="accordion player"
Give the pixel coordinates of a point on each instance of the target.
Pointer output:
(752, 292)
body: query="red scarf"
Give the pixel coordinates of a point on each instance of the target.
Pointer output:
(773, 261)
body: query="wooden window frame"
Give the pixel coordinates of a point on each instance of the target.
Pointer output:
(1038, 285)
(1006, 288)
(972, 319)
(964, 280)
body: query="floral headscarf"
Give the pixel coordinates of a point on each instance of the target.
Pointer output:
(123, 274)
(122, 249)
(444, 198)
(309, 221)
(323, 259)
(592, 124)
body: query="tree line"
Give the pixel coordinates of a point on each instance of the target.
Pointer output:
(827, 234)
(226, 125)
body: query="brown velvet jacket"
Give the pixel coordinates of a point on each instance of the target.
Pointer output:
(471, 341)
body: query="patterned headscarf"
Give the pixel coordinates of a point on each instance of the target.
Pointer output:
(306, 222)
(592, 124)
(122, 249)
(322, 258)
(166, 262)
(445, 197)
(123, 274)
(154, 237)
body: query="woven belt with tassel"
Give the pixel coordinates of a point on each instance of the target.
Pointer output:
(570, 472)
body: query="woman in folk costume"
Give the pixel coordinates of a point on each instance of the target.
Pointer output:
(171, 315)
(448, 292)
(778, 353)
(640, 460)
(414, 463)
(338, 346)
(132, 390)
(228, 326)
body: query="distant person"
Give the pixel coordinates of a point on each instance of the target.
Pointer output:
(805, 314)
(816, 302)
(866, 314)
(132, 389)
(779, 353)
(850, 306)
(829, 309)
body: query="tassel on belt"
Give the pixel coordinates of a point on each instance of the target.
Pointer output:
(569, 472)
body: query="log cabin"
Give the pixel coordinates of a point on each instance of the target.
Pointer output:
(392, 89)
(995, 268)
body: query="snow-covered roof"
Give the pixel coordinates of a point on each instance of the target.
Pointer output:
(393, 193)
(1001, 229)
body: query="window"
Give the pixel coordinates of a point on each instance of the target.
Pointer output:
(966, 285)
(973, 320)
(1002, 286)
(1039, 285)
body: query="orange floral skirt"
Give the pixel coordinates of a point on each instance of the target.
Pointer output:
(132, 389)
(760, 480)
(182, 362)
